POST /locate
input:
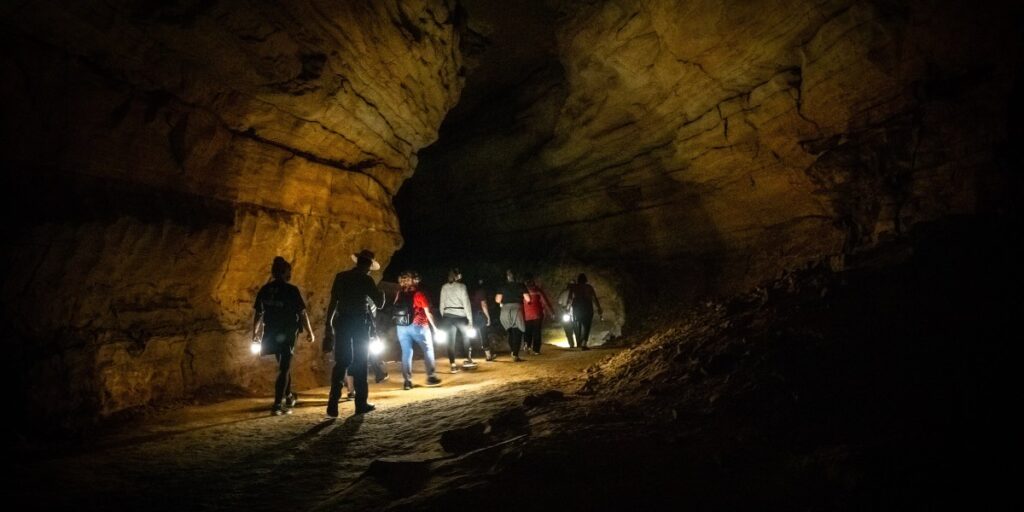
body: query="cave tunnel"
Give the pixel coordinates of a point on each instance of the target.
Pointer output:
(802, 220)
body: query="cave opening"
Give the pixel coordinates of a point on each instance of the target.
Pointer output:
(801, 219)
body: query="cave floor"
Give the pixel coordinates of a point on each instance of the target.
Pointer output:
(234, 455)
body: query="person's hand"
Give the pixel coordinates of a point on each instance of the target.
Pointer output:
(488, 322)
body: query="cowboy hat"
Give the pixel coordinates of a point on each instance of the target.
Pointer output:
(374, 264)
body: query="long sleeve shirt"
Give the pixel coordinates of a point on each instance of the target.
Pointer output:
(455, 301)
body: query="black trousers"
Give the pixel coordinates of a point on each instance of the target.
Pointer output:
(515, 340)
(482, 330)
(283, 385)
(351, 350)
(532, 335)
(455, 326)
(570, 335)
(583, 317)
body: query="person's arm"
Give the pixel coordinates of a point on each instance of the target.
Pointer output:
(257, 319)
(600, 312)
(526, 298)
(466, 306)
(331, 305)
(486, 311)
(309, 326)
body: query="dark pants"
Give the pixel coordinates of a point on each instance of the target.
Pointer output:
(570, 336)
(583, 316)
(482, 330)
(455, 326)
(532, 335)
(283, 385)
(515, 340)
(351, 348)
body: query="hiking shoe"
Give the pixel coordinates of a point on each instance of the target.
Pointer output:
(277, 410)
(291, 400)
(455, 368)
(332, 410)
(517, 359)
(489, 356)
(382, 379)
(407, 386)
(366, 409)
(468, 364)
(433, 381)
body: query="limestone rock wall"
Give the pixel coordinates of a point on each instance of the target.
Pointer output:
(160, 154)
(699, 147)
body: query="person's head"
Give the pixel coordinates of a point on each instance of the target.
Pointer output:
(280, 269)
(365, 260)
(528, 279)
(510, 276)
(405, 279)
(581, 279)
(416, 278)
(454, 275)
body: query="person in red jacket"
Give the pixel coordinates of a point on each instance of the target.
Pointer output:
(534, 312)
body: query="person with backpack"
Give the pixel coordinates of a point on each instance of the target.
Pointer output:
(456, 318)
(582, 298)
(533, 312)
(279, 308)
(511, 298)
(413, 320)
(348, 326)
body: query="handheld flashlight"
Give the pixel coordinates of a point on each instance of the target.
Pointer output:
(440, 336)
(470, 332)
(376, 346)
(255, 347)
(567, 317)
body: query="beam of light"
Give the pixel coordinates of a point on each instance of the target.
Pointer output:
(376, 346)
(255, 347)
(441, 337)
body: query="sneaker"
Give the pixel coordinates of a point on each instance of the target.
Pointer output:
(489, 356)
(382, 379)
(277, 410)
(366, 409)
(517, 359)
(433, 381)
(455, 368)
(291, 400)
(407, 386)
(468, 364)
(332, 411)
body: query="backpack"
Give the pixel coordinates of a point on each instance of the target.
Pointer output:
(402, 312)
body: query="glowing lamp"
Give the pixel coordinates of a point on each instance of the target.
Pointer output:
(470, 332)
(567, 317)
(255, 347)
(376, 346)
(441, 337)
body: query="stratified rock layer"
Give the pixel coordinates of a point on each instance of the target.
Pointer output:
(163, 154)
(701, 147)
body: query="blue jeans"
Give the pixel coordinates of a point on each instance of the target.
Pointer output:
(419, 334)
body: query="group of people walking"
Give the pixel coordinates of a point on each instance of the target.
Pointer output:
(464, 322)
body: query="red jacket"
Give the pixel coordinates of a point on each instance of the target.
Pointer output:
(538, 304)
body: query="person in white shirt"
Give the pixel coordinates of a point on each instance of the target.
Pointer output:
(457, 318)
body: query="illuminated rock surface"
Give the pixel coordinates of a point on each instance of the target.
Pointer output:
(163, 154)
(702, 147)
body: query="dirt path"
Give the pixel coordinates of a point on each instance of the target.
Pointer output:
(234, 455)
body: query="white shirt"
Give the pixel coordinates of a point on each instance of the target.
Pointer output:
(455, 301)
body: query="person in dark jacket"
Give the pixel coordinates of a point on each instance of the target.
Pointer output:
(582, 297)
(511, 298)
(279, 308)
(348, 326)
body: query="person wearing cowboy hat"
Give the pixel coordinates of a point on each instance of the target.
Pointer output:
(352, 293)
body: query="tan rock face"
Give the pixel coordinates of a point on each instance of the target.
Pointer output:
(700, 147)
(163, 154)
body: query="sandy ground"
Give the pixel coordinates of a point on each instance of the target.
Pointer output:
(234, 455)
